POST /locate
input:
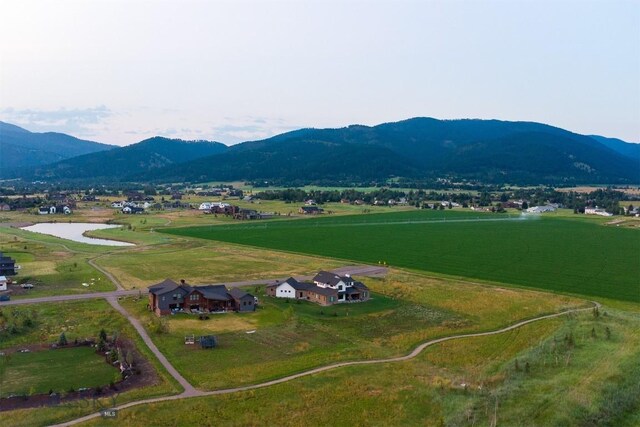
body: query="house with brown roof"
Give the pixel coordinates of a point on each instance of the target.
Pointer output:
(168, 296)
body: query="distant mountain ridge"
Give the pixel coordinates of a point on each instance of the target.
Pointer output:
(20, 148)
(485, 150)
(622, 147)
(137, 160)
(490, 151)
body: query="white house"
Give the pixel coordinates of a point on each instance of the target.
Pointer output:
(541, 209)
(118, 204)
(326, 289)
(342, 284)
(596, 211)
(205, 206)
(287, 289)
(51, 210)
(3, 283)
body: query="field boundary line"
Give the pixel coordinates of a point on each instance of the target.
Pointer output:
(414, 353)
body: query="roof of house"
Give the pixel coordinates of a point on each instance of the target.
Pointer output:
(323, 291)
(3, 279)
(214, 292)
(5, 258)
(238, 293)
(168, 285)
(329, 278)
(298, 286)
(360, 286)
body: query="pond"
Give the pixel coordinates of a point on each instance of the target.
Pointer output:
(74, 231)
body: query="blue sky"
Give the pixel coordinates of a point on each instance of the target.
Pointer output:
(121, 71)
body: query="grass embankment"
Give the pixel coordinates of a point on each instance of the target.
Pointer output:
(289, 337)
(473, 381)
(78, 319)
(556, 254)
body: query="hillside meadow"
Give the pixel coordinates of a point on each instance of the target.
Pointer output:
(578, 256)
(525, 377)
(283, 337)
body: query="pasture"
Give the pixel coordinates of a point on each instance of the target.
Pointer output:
(577, 256)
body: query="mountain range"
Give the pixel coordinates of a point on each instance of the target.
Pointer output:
(20, 149)
(489, 151)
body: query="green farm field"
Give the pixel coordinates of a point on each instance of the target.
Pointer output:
(577, 256)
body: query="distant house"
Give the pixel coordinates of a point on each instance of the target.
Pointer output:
(169, 296)
(7, 265)
(117, 205)
(243, 214)
(596, 211)
(310, 210)
(132, 210)
(542, 209)
(3, 283)
(52, 210)
(327, 289)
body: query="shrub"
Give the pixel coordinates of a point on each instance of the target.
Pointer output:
(62, 341)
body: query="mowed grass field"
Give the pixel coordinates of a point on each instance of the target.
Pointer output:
(59, 370)
(576, 256)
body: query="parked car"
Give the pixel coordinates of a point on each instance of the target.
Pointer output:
(27, 286)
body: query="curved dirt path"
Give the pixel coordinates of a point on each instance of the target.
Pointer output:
(189, 390)
(105, 272)
(197, 393)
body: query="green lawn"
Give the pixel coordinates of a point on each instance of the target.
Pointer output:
(559, 254)
(58, 370)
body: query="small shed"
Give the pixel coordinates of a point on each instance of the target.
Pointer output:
(208, 341)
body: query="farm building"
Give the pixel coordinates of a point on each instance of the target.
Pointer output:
(3, 283)
(327, 289)
(169, 296)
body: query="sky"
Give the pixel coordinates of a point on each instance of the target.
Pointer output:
(118, 72)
